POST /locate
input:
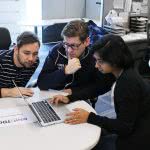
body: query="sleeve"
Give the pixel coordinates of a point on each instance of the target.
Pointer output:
(127, 98)
(51, 77)
(101, 85)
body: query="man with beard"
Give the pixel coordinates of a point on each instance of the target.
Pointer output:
(18, 65)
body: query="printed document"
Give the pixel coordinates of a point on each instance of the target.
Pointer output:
(16, 116)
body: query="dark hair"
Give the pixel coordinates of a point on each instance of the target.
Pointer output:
(113, 50)
(76, 28)
(27, 38)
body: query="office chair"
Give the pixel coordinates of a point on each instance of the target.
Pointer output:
(144, 68)
(52, 33)
(5, 39)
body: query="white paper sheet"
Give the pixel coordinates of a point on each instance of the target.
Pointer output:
(16, 116)
(118, 4)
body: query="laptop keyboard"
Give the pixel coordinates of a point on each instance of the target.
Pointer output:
(45, 111)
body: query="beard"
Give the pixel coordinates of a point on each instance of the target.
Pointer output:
(23, 63)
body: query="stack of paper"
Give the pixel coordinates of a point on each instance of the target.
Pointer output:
(138, 24)
(115, 30)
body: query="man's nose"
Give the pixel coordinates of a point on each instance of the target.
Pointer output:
(31, 58)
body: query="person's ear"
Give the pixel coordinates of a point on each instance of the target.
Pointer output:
(16, 49)
(87, 41)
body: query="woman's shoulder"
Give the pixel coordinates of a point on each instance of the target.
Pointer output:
(130, 75)
(130, 79)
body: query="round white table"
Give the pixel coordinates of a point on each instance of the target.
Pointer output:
(55, 137)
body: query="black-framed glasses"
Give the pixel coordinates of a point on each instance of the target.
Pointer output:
(72, 46)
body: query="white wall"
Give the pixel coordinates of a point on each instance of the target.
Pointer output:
(75, 8)
(14, 11)
(33, 10)
(94, 11)
(10, 12)
(59, 9)
(53, 9)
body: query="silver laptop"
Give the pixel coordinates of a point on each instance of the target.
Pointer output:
(46, 113)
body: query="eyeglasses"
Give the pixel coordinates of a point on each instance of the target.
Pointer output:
(72, 46)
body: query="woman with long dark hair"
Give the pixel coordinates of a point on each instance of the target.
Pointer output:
(130, 130)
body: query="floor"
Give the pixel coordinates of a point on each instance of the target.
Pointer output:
(103, 106)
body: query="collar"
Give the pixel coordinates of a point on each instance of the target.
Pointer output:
(120, 73)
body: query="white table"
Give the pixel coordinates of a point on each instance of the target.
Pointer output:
(134, 37)
(55, 137)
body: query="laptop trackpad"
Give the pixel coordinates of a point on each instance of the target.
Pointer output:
(61, 110)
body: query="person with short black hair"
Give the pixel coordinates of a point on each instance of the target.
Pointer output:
(18, 65)
(131, 97)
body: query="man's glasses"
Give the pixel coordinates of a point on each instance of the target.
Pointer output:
(72, 46)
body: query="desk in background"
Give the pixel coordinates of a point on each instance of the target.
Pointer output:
(137, 43)
(139, 47)
(54, 137)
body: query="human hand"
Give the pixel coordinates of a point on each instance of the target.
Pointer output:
(13, 92)
(69, 91)
(58, 99)
(77, 116)
(73, 66)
